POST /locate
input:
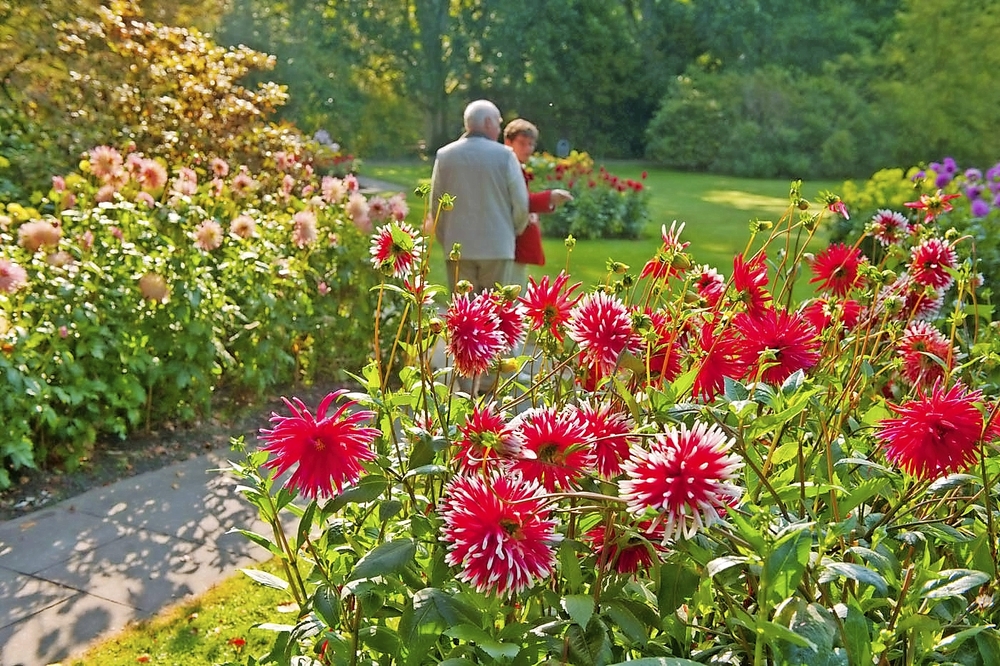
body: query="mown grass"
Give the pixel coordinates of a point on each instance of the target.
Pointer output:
(716, 210)
(216, 627)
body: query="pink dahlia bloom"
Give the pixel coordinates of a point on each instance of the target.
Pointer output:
(396, 249)
(37, 234)
(685, 476)
(12, 277)
(930, 261)
(778, 343)
(934, 434)
(152, 175)
(332, 189)
(822, 313)
(357, 210)
(304, 228)
(475, 340)
(326, 451)
(547, 304)
(219, 167)
(243, 183)
(498, 533)
(836, 269)
(153, 287)
(601, 325)
(243, 226)
(511, 317)
(208, 235)
(556, 450)
(105, 162)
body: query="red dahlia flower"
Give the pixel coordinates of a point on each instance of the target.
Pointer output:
(836, 269)
(778, 343)
(709, 284)
(685, 476)
(547, 305)
(670, 259)
(498, 532)
(328, 450)
(934, 434)
(933, 204)
(718, 354)
(750, 281)
(556, 451)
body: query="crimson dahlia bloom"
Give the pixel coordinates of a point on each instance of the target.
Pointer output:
(556, 450)
(327, 451)
(498, 533)
(836, 269)
(547, 305)
(934, 434)
(709, 284)
(475, 340)
(685, 476)
(778, 343)
(718, 354)
(600, 324)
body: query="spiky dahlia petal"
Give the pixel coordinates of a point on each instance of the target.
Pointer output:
(475, 340)
(600, 324)
(556, 451)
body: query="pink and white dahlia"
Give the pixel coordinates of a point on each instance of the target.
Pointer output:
(601, 325)
(243, 226)
(396, 249)
(930, 261)
(609, 432)
(547, 305)
(498, 533)
(304, 228)
(686, 477)
(486, 440)
(889, 227)
(12, 277)
(556, 451)
(927, 354)
(475, 340)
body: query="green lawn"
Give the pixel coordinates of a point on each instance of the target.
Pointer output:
(716, 210)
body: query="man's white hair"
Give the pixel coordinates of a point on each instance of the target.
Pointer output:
(477, 113)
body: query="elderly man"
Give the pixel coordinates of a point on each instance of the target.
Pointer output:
(490, 200)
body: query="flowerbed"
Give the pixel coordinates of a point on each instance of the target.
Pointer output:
(136, 289)
(604, 205)
(680, 467)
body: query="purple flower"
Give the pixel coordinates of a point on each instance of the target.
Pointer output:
(980, 208)
(973, 175)
(949, 166)
(973, 191)
(942, 180)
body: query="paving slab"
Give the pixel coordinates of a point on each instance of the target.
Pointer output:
(79, 571)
